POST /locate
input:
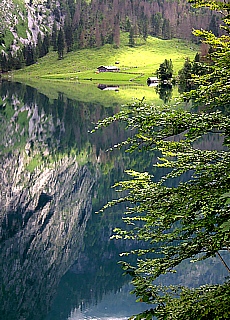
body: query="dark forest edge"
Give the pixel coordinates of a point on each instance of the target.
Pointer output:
(192, 220)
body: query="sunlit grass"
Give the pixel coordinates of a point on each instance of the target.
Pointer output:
(80, 67)
(144, 58)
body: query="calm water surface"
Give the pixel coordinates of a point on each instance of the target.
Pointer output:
(57, 259)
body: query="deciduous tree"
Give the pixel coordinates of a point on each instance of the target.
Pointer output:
(192, 219)
(165, 71)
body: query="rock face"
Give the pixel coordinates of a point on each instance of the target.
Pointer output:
(25, 19)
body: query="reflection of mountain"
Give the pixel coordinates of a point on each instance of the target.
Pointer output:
(43, 220)
(45, 196)
(45, 204)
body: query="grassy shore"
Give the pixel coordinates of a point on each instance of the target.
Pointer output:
(79, 67)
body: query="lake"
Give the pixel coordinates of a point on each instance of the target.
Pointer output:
(57, 258)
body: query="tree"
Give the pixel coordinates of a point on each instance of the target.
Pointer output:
(165, 92)
(4, 62)
(54, 36)
(20, 61)
(131, 37)
(29, 52)
(190, 220)
(68, 29)
(116, 32)
(60, 44)
(71, 6)
(157, 24)
(165, 71)
(39, 46)
(166, 30)
(45, 43)
(213, 26)
(185, 76)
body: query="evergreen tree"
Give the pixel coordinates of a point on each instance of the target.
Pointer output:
(29, 52)
(145, 28)
(185, 76)
(4, 62)
(157, 23)
(71, 7)
(10, 61)
(46, 44)
(60, 44)
(116, 32)
(39, 46)
(128, 24)
(68, 29)
(19, 61)
(54, 36)
(131, 37)
(166, 30)
(213, 26)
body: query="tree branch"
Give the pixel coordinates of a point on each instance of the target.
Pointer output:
(222, 260)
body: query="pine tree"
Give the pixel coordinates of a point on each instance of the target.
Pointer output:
(46, 44)
(60, 44)
(39, 46)
(131, 37)
(19, 61)
(68, 29)
(29, 54)
(157, 24)
(185, 75)
(71, 7)
(145, 28)
(213, 26)
(54, 36)
(4, 63)
(166, 30)
(116, 32)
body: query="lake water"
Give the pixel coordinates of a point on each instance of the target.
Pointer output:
(57, 259)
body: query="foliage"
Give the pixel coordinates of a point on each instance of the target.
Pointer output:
(187, 73)
(191, 219)
(165, 71)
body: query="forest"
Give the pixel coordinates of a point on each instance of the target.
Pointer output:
(86, 24)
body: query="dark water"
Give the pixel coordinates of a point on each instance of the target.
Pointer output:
(57, 259)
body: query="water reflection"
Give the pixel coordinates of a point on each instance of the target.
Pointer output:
(165, 92)
(105, 87)
(114, 306)
(51, 169)
(57, 261)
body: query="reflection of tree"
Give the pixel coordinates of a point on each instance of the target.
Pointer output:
(165, 92)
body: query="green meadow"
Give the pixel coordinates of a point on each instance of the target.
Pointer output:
(76, 75)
